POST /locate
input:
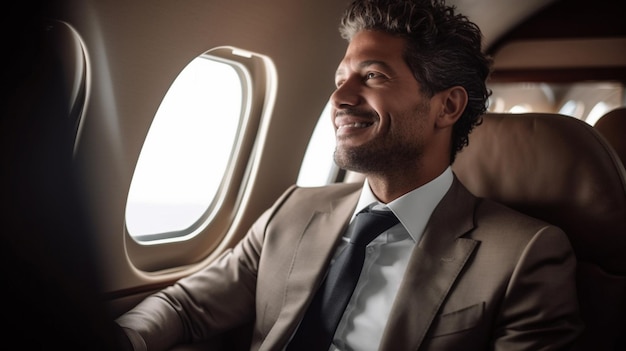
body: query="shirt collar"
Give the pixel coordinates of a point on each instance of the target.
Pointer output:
(414, 208)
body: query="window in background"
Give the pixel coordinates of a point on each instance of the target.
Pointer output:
(586, 101)
(318, 167)
(521, 108)
(187, 150)
(599, 110)
(573, 108)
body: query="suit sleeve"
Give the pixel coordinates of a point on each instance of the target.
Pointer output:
(215, 299)
(540, 309)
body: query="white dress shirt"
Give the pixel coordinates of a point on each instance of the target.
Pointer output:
(363, 322)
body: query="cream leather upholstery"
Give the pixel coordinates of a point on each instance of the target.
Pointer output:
(561, 170)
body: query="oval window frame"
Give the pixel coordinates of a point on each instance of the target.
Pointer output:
(210, 233)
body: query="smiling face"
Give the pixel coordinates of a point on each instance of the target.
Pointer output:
(383, 122)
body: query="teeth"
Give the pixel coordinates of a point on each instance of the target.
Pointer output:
(356, 125)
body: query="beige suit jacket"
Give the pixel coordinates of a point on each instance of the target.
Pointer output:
(483, 277)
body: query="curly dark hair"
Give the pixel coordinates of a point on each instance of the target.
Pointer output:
(443, 50)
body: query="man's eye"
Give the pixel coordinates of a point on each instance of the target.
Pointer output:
(371, 75)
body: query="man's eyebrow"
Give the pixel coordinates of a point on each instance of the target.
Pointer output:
(370, 63)
(366, 64)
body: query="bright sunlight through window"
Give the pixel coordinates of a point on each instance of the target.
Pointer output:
(318, 165)
(186, 151)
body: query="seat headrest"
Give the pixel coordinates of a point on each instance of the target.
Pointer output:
(555, 168)
(65, 75)
(612, 126)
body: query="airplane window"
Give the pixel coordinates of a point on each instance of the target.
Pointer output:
(523, 108)
(521, 98)
(496, 104)
(570, 99)
(596, 112)
(318, 167)
(197, 120)
(573, 108)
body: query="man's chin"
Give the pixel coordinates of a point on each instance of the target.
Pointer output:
(352, 165)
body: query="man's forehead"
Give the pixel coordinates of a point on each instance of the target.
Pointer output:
(373, 48)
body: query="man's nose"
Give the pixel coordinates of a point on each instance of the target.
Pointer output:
(346, 94)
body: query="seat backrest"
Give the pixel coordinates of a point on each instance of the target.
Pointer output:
(46, 251)
(66, 73)
(612, 126)
(561, 170)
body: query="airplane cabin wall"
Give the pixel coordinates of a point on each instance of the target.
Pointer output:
(137, 48)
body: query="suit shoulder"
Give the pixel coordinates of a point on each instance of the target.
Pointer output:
(490, 213)
(491, 216)
(507, 233)
(300, 201)
(326, 192)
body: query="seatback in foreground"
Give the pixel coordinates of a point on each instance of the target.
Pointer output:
(612, 126)
(561, 170)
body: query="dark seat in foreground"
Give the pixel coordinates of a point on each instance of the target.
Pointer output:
(612, 126)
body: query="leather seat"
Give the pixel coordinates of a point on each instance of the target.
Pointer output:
(612, 126)
(561, 170)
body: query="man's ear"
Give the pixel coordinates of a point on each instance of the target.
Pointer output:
(453, 101)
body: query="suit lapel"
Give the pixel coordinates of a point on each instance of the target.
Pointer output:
(316, 249)
(314, 252)
(433, 267)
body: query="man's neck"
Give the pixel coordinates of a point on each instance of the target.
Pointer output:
(390, 186)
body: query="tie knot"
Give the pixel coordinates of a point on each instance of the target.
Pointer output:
(369, 224)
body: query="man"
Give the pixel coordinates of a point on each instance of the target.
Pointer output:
(456, 272)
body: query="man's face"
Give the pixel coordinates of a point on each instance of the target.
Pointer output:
(380, 116)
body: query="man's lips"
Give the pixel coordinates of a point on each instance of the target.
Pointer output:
(354, 119)
(354, 125)
(349, 127)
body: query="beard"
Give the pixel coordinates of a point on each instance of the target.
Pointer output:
(388, 153)
(378, 157)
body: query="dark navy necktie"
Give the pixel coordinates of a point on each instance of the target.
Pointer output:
(318, 326)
